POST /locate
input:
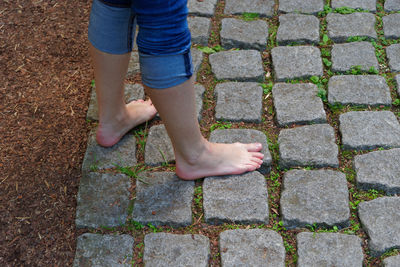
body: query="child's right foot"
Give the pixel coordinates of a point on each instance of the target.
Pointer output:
(220, 159)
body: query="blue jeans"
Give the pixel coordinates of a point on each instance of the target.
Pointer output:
(163, 39)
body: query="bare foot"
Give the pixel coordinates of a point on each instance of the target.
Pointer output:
(221, 159)
(136, 113)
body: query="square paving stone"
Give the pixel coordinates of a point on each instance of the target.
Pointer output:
(238, 102)
(134, 65)
(102, 200)
(311, 145)
(104, 250)
(393, 261)
(265, 8)
(200, 29)
(228, 136)
(369, 5)
(297, 28)
(162, 249)
(359, 90)
(393, 54)
(97, 157)
(237, 33)
(379, 170)
(236, 199)
(391, 26)
(163, 199)
(397, 78)
(296, 62)
(362, 130)
(204, 8)
(346, 56)
(132, 92)
(197, 59)
(242, 65)
(329, 249)
(392, 5)
(158, 148)
(380, 218)
(301, 6)
(251, 247)
(317, 196)
(341, 27)
(297, 103)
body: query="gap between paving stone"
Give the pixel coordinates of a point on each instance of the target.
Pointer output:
(265, 8)
(369, 5)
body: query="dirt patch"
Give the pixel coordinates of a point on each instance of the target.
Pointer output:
(44, 93)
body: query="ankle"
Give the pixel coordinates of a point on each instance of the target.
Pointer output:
(192, 155)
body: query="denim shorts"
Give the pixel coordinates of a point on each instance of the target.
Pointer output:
(112, 30)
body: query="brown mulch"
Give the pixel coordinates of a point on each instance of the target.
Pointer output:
(44, 92)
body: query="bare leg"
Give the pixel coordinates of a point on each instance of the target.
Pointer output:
(115, 117)
(195, 156)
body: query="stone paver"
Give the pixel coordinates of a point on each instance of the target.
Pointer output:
(329, 249)
(134, 66)
(316, 196)
(245, 136)
(392, 5)
(363, 130)
(311, 145)
(102, 200)
(162, 249)
(369, 5)
(379, 170)
(341, 27)
(236, 198)
(237, 33)
(265, 8)
(163, 199)
(242, 66)
(104, 250)
(397, 78)
(298, 28)
(158, 148)
(98, 157)
(301, 6)
(380, 218)
(199, 93)
(251, 247)
(200, 29)
(393, 54)
(393, 261)
(202, 8)
(346, 56)
(238, 102)
(197, 58)
(296, 62)
(132, 92)
(297, 103)
(391, 26)
(359, 90)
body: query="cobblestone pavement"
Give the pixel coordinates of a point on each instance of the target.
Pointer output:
(317, 83)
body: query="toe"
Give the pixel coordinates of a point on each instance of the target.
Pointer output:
(253, 147)
(257, 160)
(257, 155)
